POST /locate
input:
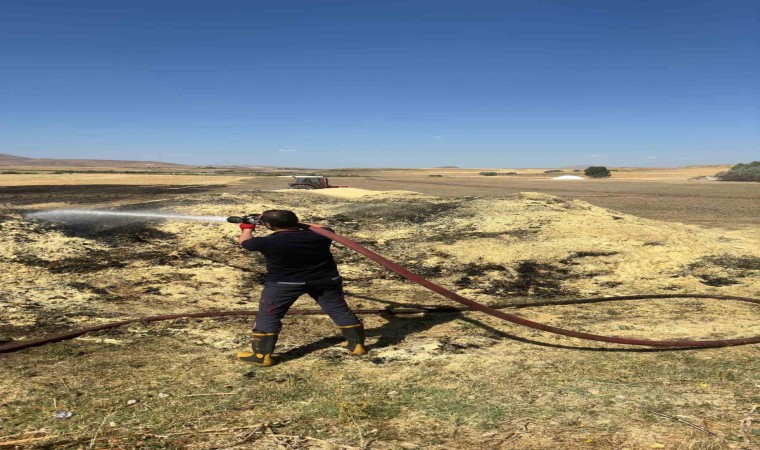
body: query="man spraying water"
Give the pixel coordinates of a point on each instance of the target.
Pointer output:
(298, 262)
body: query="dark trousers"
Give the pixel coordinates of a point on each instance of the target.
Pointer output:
(278, 297)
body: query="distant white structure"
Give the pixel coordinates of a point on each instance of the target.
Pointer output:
(568, 177)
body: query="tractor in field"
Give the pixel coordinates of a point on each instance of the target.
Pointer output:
(311, 182)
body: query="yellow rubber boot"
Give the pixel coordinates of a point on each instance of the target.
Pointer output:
(354, 335)
(263, 347)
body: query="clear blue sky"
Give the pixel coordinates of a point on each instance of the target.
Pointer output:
(323, 83)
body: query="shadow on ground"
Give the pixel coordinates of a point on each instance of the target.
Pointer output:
(398, 327)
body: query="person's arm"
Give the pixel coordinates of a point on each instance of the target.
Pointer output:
(245, 235)
(246, 232)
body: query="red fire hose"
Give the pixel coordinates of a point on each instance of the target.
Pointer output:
(471, 305)
(525, 322)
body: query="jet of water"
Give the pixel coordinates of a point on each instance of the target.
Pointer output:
(83, 214)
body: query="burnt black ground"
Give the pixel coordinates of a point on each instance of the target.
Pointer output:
(91, 194)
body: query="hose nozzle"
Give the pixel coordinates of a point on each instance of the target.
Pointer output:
(253, 219)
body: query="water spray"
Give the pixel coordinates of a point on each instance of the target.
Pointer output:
(254, 219)
(63, 214)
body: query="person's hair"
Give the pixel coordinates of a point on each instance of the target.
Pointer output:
(279, 218)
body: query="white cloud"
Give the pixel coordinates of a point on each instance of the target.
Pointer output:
(593, 155)
(437, 137)
(650, 157)
(287, 150)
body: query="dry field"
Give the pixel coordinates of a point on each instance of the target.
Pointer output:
(662, 194)
(437, 381)
(670, 194)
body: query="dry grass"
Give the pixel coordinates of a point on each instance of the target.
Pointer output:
(459, 380)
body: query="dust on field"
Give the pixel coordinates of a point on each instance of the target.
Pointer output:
(455, 380)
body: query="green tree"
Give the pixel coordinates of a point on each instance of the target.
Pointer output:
(597, 172)
(742, 172)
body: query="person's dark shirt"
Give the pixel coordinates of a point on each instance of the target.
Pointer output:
(295, 256)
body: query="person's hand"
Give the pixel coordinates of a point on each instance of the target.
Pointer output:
(247, 226)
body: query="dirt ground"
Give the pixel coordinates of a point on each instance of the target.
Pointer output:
(708, 203)
(437, 381)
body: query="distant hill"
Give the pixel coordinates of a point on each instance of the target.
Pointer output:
(12, 160)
